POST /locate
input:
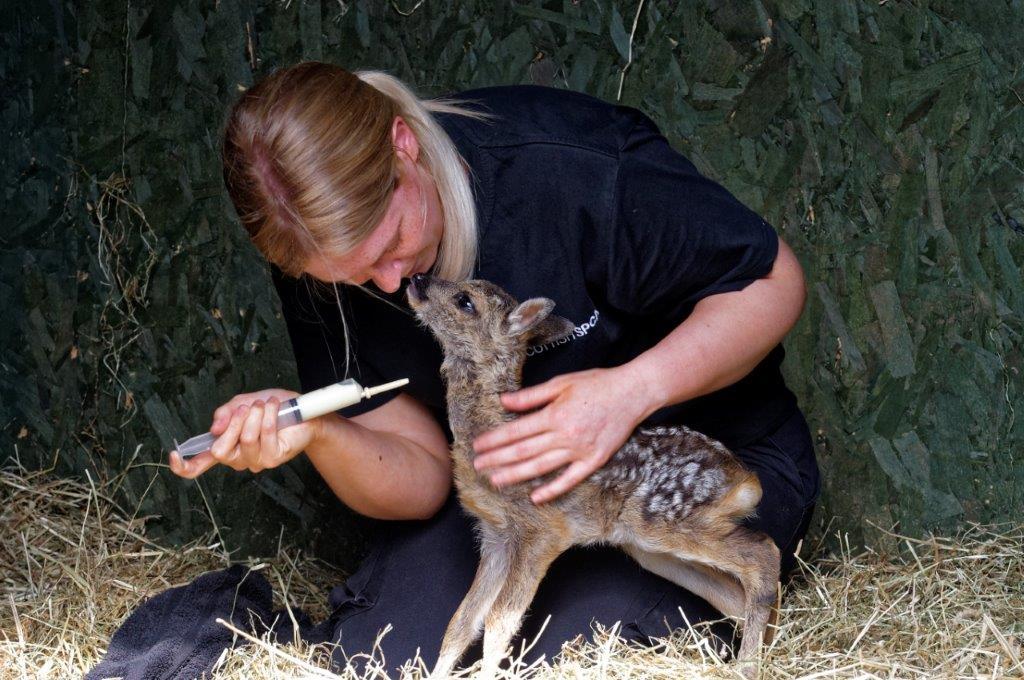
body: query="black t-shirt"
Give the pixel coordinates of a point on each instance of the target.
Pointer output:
(584, 202)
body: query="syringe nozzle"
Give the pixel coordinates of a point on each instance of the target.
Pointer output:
(374, 391)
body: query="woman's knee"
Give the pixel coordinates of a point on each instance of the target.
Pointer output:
(785, 464)
(410, 586)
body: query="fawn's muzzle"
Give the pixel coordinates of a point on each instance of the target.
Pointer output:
(418, 287)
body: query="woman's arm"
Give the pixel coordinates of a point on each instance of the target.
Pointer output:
(724, 337)
(588, 415)
(389, 463)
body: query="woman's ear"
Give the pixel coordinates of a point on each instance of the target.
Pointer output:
(404, 140)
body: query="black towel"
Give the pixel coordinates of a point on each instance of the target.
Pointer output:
(175, 635)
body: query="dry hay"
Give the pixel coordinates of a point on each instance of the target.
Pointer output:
(75, 565)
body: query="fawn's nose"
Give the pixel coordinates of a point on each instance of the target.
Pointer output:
(419, 284)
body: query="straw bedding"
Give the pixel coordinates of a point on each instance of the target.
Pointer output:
(74, 565)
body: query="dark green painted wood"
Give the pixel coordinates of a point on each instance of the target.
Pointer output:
(884, 141)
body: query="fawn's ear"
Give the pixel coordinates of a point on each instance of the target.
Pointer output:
(552, 328)
(534, 318)
(528, 315)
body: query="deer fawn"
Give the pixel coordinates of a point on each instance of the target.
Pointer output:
(671, 498)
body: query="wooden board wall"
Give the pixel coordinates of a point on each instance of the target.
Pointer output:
(882, 139)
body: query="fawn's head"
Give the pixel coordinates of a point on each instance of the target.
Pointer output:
(477, 321)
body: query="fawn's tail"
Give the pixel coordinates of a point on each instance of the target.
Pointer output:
(741, 500)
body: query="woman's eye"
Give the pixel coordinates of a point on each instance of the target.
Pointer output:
(465, 303)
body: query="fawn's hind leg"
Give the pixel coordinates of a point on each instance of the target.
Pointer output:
(527, 567)
(749, 556)
(754, 560)
(468, 619)
(721, 590)
(756, 563)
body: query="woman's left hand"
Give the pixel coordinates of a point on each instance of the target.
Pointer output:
(583, 418)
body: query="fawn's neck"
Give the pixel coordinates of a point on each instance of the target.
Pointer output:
(474, 395)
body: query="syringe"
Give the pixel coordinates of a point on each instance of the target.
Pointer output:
(298, 409)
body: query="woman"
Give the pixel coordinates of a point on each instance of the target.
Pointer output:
(680, 294)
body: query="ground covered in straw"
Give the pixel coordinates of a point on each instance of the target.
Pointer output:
(73, 565)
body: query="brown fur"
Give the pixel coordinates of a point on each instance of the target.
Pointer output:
(670, 497)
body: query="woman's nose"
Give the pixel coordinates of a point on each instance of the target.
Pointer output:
(388, 277)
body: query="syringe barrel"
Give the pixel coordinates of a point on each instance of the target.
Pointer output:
(289, 414)
(292, 412)
(331, 398)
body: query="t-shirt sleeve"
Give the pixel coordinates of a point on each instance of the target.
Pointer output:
(676, 236)
(313, 319)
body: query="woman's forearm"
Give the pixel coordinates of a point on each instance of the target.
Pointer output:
(379, 474)
(723, 339)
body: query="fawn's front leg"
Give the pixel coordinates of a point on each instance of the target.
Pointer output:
(465, 625)
(527, 566)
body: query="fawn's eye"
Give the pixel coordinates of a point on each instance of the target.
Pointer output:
(465, 303)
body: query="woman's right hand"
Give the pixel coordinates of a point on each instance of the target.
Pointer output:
(247, 436)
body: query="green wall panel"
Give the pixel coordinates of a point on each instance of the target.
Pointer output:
(883, 140)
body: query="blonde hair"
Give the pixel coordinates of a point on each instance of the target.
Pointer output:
(309, 164)
(310, 167)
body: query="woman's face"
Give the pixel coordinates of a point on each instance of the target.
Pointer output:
(404, 243)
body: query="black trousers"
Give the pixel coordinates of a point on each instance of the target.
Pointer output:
(417, 575)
